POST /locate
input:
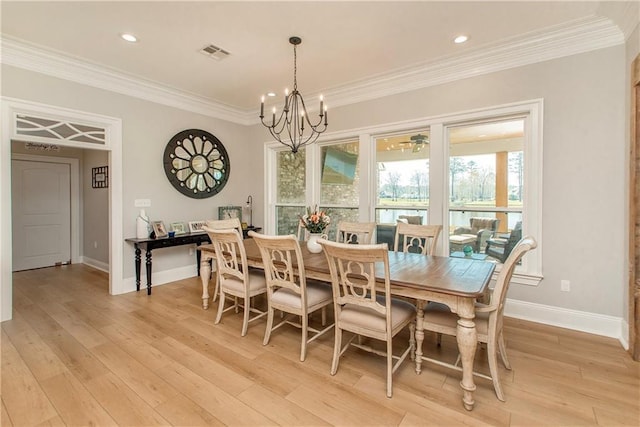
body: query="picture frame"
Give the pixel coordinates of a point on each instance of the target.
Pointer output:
(159, 229)
(196, 226)
(229, 212)
(178, 227)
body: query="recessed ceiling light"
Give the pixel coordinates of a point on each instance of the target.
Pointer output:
(271, 94)
(460, 39)
(129, 37)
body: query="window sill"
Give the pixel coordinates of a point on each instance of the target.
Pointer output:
(526, 279)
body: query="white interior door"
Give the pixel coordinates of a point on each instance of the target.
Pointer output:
(41, 210)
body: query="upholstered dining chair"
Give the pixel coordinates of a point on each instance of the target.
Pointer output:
(416, 238)
(288, 289)
(438, 318)
(222, 224)
(236, 281)
(361, 308)
(355, 232)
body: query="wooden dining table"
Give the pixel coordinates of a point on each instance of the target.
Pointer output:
(456, 282)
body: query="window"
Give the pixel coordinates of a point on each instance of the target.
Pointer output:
(485, 189)
(339, 183)
(290, 190)
(402, 171)
(446, 170)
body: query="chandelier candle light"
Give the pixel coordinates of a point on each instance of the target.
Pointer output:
(293, 127)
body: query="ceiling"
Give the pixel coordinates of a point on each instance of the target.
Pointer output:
(344, 44)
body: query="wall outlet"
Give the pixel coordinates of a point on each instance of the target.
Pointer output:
(565, 285)
(142, 203)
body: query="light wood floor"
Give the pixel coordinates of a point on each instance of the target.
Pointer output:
(73, 355)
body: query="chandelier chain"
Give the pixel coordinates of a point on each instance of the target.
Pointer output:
(295, 68)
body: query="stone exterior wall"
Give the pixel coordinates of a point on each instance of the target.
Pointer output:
(291, 190)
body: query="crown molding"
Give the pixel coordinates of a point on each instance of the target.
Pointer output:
(630, 19)
(20, 54)
(580, 36)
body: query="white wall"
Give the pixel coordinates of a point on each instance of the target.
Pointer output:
(95, 208)
(584, 161)
(584, 165)
(147, 127)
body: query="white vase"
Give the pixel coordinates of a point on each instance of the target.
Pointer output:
(142, 225)
(312, 243)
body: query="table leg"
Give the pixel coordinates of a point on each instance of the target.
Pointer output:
(138, 262)
(198, 257)
(205, 273)
(419, 334)
(148, 265)
(467, 342)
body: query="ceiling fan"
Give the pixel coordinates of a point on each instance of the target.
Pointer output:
(418, 141)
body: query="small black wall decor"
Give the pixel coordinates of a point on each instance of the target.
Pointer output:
(196, 163)
(100, 177)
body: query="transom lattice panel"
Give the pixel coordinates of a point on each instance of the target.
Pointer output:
(61, 130)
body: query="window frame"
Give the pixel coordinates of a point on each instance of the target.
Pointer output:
(530, 270)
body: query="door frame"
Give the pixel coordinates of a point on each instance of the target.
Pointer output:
(74, 169)
(11, 108)
(634, 213)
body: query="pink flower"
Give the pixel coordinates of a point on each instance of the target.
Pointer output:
(314, 220)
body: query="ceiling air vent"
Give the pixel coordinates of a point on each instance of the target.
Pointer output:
(214, 52)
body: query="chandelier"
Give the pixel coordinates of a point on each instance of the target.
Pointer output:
(293, 127)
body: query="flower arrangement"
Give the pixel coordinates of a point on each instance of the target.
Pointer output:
(315, 221)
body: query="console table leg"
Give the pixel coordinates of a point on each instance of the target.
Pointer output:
(198, 256)
(138, 262)
(148, 264)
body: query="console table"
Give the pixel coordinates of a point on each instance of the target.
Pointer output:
(245, 231)
(149, 245)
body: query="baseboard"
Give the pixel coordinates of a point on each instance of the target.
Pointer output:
(593, 323)
(624, 340)
(99, 265)
(160, 278)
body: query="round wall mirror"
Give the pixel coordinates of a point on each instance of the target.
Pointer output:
(196, 163)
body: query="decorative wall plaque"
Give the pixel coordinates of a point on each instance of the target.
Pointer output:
(100, 177)
(196, 163)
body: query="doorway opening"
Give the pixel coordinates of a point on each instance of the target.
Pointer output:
(26, 121)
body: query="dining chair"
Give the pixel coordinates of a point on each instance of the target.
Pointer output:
(363, 309)
(417, 238)
(222, 224)
(236, 281)
(438, 318)
(355, 232)
(288, 289)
